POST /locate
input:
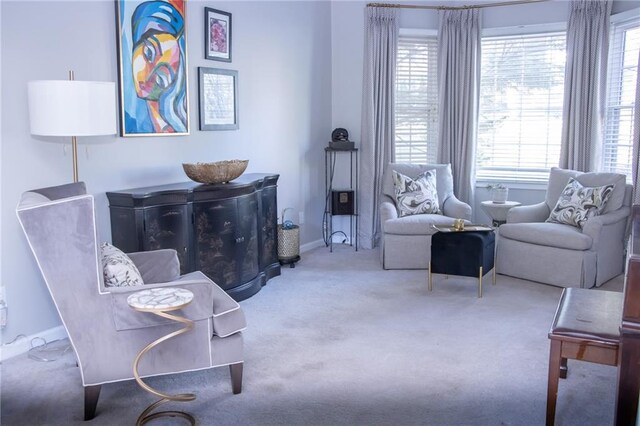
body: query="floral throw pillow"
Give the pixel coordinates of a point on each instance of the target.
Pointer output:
(119, 270)
(578, 203)
(416, 196)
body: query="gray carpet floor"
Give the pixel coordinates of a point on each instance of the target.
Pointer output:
(339, 341)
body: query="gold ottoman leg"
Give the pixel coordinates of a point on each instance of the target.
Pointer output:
(494, 274)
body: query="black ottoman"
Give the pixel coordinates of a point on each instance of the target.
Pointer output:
(465, 253)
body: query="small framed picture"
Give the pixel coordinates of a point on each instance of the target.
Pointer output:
(218, 90)
(217, 35)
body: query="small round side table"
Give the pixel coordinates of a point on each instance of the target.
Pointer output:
(160, 301)
(498, 211)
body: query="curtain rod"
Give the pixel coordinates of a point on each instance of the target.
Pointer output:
(475, 6)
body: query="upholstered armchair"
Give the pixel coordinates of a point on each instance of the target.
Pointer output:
(406, 240)
(106, 334)
(561, 254)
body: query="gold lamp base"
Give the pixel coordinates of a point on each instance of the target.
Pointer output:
(74, 143)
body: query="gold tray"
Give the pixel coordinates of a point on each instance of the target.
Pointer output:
(467, 228)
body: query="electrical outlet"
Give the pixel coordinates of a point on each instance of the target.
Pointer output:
(3, 308)
(3, 314)
(301, 218)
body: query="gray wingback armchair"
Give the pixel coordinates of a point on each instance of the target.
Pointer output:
(564, 255)
(406, 241)
(106, 334)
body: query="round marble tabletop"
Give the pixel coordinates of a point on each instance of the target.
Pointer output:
(160, 299)
(498, 211)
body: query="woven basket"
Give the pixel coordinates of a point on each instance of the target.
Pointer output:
(288, 242)
(219, 172)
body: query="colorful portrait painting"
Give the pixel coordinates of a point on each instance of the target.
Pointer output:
(152, 57)
(217, 30)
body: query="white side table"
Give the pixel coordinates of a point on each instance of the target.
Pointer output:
(160, 301)
(498, 211)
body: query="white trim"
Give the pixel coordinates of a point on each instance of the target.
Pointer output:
(47, 282)
(23, 344)
(230, 334)
(226, 312)
(199, 281)
(628, 15)
(53, 202)
(525, 29)
(533, 186)
(417, 32)
(210, 333)
(310, 246)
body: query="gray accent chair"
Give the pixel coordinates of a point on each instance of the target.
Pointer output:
(106, 334)
(406, 241)
(564, 255)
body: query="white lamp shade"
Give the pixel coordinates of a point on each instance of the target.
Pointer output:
(72, 108)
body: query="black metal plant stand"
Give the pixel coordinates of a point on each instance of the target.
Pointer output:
(329, 168)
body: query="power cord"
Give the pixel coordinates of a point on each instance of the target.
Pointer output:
(44, 351)
(326, 237)
(47, 351)
(19, 336)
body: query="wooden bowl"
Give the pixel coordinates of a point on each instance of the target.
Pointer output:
(218, 172)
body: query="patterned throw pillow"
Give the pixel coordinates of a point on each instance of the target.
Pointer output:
(119, 270)
(578, 203)
(417, 196)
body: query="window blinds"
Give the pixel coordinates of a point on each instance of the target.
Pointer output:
(416, 108)
(621, 90)
(520, 115)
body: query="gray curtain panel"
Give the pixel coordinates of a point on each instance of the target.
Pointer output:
(585, 84)
(459, 84)
(378, 121)
(636, 141)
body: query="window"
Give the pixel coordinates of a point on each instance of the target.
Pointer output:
(621, 91)
(416, 109)
(520, 115)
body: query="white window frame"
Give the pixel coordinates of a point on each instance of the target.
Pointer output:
(511, 31)
(431, 142)
(616, 19)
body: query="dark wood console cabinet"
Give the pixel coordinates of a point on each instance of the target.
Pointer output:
(227, 231)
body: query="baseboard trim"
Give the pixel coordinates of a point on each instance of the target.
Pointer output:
(311, 245)
(23, 344)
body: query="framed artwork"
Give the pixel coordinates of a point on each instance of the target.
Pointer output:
(217, 35)
(152, 65)
(218, 89)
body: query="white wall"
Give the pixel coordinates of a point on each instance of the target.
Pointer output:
(283, 56)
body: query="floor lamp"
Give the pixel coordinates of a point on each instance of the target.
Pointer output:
(72, 108)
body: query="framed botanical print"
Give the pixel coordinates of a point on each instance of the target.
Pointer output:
(218, 90)
(152, 62)
(217, 35)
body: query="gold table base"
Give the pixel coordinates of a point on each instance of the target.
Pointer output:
(146, 416)
(480, 275)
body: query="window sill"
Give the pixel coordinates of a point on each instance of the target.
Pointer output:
(530, 186)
